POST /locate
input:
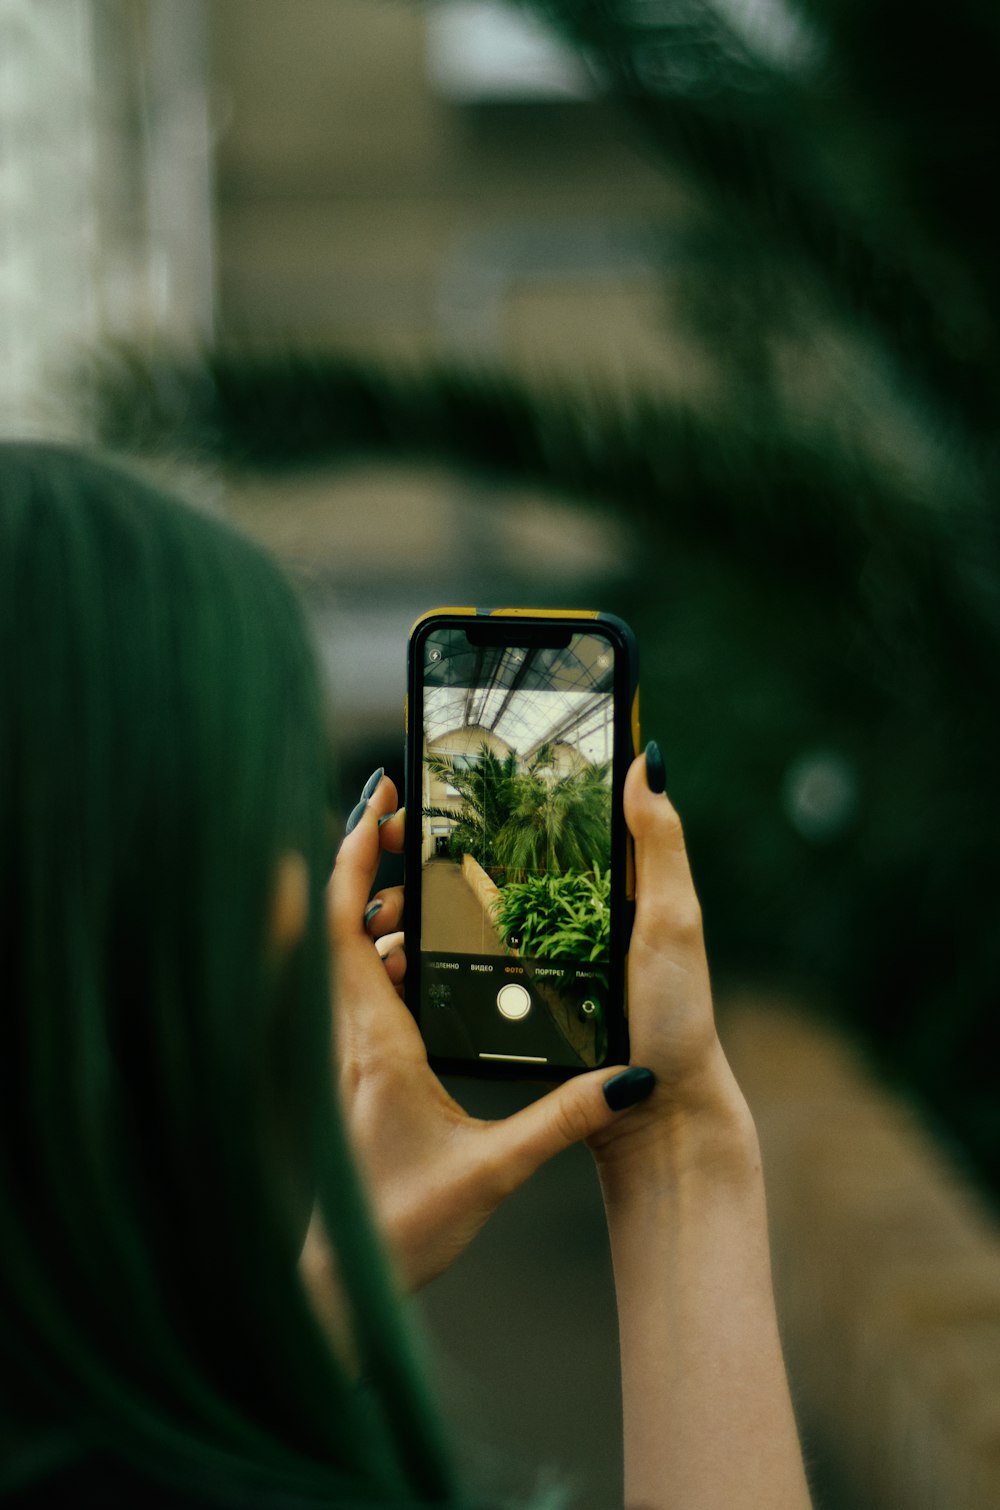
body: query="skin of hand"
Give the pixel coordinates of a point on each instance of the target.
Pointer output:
(435, 1174)
(671, 1019)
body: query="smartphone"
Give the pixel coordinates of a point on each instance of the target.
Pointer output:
(521, 724)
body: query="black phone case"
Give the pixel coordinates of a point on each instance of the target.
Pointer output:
(626, 745)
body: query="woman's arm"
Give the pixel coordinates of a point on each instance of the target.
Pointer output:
(708, 1419)
(707, 1414)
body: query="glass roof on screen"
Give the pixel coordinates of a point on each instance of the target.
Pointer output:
(526, 697)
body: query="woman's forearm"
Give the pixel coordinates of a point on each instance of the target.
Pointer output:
(707, 1414)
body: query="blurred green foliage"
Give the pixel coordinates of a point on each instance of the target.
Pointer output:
(817, 601)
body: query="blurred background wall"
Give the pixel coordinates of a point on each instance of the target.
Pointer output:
(690, 311)
(382, 190)
(390, 187)
(106, 195)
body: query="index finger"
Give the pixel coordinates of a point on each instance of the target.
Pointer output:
(356, 866)
(666, 904)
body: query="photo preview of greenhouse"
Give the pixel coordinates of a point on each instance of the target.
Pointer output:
(516, 811)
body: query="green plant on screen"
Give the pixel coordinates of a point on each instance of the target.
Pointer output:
(554, 917)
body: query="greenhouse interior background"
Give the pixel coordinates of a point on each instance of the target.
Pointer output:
(690, 313)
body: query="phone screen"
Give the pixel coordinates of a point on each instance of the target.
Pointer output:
(516, 852)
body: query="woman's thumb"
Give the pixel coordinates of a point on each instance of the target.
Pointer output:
(578, 1109)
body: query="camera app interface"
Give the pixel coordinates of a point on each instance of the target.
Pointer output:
(516, 849)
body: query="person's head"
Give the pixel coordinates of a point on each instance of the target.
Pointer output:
(167, 1118)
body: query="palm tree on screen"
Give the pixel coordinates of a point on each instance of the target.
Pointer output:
(516, 820)
(486, 786)
(558, 823)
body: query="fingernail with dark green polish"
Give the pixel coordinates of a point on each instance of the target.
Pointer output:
(629, 1088)
(656, 776)
(371, 910)
(385, 818)
(357, 813)
(368, 790)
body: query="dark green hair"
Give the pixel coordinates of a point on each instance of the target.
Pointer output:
(167, 1106)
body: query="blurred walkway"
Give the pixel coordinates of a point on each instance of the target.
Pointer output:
(452, 921)
(887, 1273)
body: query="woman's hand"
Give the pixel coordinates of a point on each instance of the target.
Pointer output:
(435, 1174)
(707, 1417)
(671, 1022)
